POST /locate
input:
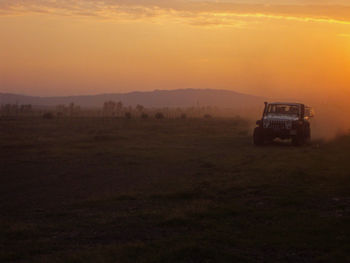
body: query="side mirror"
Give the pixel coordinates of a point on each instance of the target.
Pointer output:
(312, 113)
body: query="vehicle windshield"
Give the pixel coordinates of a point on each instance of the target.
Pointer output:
(283, 109)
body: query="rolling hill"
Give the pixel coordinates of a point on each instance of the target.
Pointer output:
(156, 98)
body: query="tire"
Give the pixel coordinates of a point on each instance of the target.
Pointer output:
(299, 139)
(258, 136)
(295, 141)
(308, 136)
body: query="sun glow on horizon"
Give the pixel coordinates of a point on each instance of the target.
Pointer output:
(89, 47)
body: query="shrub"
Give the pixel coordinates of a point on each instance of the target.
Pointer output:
(159, 116)
(207, 116)
(144, 116)
(183, 116)
(59, 114)
(48, 116)
(127, 115)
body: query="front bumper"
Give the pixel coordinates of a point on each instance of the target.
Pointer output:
(281, 133)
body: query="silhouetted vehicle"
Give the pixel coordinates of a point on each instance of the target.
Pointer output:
(285, 121)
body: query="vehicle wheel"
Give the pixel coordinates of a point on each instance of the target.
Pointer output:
(298, 140)
(258, 137)
(295, 141)
(308, 136)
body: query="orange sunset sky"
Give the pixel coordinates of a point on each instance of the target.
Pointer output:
(275, 48)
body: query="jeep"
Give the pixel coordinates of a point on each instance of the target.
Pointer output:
(284, 121)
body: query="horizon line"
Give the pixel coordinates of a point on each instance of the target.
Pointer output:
(129, 92)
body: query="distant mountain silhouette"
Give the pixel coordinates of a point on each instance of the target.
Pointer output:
(157, 98)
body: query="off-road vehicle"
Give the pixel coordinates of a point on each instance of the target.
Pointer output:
(284, 121)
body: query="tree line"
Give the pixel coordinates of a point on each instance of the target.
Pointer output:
(114, 109)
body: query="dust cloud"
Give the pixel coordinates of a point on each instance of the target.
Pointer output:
(330, 121)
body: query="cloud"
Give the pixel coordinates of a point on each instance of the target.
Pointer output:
(195, 13)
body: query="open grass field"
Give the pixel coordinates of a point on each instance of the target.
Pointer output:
(109, 190)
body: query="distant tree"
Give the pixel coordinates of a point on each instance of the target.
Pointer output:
(139, 108)
(166, 112)
(71, 109)
(119, 108)
(16, 109)
(61, 110)
(71, 106)
(178, 112)
(109, 108)
(26, 108)
(59, 114)
(207, 116)
(10, 109)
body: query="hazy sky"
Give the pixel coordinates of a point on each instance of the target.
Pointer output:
(284, 48)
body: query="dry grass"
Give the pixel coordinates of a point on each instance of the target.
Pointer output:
(107, 190)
